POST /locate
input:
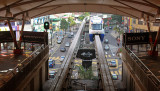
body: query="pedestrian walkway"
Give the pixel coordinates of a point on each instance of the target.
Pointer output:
(9, 62)
(115, 35)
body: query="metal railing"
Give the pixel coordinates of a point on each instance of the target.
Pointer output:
(23, 69)
(147, 78)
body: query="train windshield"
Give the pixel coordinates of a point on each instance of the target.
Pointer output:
(96, 26)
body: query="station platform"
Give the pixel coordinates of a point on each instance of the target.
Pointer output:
(152, 63)
(9, 62)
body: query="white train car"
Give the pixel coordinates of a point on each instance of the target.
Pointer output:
(96, 28)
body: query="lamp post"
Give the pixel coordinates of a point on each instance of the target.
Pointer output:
(68, 25)
(51, 32)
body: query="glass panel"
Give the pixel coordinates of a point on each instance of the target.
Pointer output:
(96, 26)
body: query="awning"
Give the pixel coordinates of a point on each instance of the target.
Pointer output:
(37, 8)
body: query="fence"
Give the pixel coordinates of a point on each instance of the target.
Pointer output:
(14, 77)
(147, 78)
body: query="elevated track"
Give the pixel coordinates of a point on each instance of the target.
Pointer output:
(63, 77)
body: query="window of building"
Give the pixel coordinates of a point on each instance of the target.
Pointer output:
(134, 21)
(140, 22)
(156, 24)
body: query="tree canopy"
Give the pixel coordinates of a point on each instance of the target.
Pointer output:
(63, 24)
(118, 18)
(71, 21)
(81, 17)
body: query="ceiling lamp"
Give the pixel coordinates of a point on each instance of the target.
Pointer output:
(142, 17)
(8, 13)
(157, 16)
(27, 16)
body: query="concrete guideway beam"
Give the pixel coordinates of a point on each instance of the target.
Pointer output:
(104, 69)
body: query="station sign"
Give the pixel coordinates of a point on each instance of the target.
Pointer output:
(138, 38)
(5, 36)
(35, 37)
(30, 37)
(86, 54)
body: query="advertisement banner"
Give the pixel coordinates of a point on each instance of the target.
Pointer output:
(138, 38)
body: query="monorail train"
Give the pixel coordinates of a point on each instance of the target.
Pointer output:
(96, 28)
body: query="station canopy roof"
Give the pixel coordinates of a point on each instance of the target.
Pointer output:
(37, 8)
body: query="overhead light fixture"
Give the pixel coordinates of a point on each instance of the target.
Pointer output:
(157, 17)
(8, 13)
(27, 16)
(142, 17)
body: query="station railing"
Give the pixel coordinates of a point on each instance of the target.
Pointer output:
(23, 69)
(147, 78)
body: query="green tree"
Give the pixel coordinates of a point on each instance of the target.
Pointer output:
(71, 21)
(118, 18)
(81, 17)
(85, 73)
(63, 24)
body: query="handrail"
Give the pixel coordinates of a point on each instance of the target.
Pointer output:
(152, 79)
(134, 55)
(20, 67)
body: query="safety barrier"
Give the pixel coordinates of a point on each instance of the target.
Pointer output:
(23, 69)
(147, 78)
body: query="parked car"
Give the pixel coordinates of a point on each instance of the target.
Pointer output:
(113, 63)
(114, 76)
(106, 48)
(52, 74)
(106, 30)
(62, 49)
(110, 27)
(62, 58)
(69, 36)
(106, 53)
(67, 44)
(61, 37)
(72, 33)
(59, 41)
(106, 41)
(51, 63)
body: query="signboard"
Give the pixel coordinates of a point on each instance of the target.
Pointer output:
(31, 37)
(35, 37)
(5, 36)
(86, 54)
(138, 38)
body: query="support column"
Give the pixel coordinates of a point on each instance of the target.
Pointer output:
(12, 34)
(150, 35)
(21, 33)
(155, 53)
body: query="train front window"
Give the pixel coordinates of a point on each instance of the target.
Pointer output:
(96, 26)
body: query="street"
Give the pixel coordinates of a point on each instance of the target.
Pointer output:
(111, 55)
